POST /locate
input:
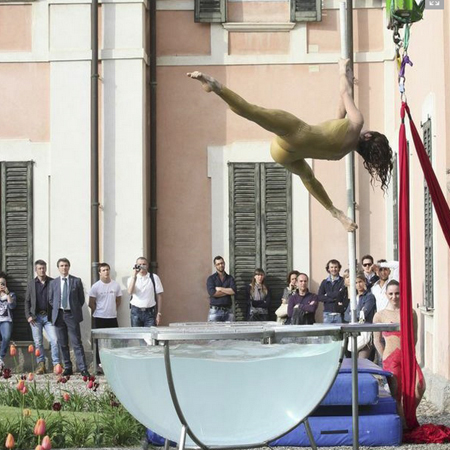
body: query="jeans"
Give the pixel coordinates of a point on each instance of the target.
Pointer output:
(5, 331)
(142, 317)
(331, 317)
(42, 323)
(219, 315)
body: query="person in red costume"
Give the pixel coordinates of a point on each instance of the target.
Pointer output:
(388, 346)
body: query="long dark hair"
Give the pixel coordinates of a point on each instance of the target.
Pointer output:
(253, 283)
(377, 154)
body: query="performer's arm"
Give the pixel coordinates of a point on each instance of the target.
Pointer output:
(377, 337)
(345, 89)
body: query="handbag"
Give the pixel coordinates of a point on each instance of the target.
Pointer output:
(282, 311)
(365, 338)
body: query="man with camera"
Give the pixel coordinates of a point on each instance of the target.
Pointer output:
(146, 292)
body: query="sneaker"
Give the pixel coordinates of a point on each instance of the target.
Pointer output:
(2, 364)
(85, 373)
(41, 369)
(67, 372)
(100, 370)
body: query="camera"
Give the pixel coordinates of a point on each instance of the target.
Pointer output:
(137, 267)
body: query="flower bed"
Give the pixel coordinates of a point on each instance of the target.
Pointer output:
(62, 412)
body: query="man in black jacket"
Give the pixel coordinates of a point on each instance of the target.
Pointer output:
(37, 314)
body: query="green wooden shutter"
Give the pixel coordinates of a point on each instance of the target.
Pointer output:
(260, 228)
(17, 236)
(306, 10)
(276, 208)
(245, 229)
(210, 11)
(428, 226)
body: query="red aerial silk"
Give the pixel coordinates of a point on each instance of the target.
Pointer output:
(429, 432)
(407, 342)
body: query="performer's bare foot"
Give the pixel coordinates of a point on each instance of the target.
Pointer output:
(346, 221)
(345, 69)
(208, 83)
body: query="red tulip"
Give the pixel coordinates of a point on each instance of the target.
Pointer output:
(24, 390)
(46, 443)
(90, 385)
(56, 407)
(20, 385)
(30, 376)
(10, 442)
(31, 348)
(37, 352)
(12, 350)
(38, 447)
(39, 428)
(66, 396)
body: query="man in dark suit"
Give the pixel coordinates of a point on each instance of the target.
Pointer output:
(39, 317)
(66, 296)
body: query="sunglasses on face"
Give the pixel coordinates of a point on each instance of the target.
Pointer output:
(367, 264)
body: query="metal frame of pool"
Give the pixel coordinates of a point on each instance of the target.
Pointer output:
(268, 333)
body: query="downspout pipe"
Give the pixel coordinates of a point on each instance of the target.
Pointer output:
(95, 204)
(152, 137)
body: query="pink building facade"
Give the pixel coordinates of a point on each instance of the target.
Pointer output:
(204, 151)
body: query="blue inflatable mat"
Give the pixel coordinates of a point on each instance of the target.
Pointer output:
(341, 391)
(378, 430)
(364, 366)
(385, 405)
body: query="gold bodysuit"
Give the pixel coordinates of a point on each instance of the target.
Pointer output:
(322, 141)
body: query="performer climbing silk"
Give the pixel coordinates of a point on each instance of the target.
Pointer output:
(332, 140)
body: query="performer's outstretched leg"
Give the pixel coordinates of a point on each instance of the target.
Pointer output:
(315, 188)
(274, 120)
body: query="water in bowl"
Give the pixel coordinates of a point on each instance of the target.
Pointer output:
(231, 392)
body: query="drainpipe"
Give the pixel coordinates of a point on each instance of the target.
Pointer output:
(152, 137)
(95, 204)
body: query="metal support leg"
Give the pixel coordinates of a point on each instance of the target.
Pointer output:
(355, 401)
(182, 438)
(310, 435)
(166, 444)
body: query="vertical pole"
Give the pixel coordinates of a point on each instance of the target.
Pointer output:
(95, 203)
(346, 21)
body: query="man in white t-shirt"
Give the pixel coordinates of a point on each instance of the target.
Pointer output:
(104, 299)
(146, 292)
(383, 269)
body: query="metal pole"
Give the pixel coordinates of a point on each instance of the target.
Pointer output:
(346, 21)
(95, 204)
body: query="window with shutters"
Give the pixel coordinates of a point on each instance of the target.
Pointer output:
(306, 10)
(210, 11)
(16, 233)
(428, 212)
(260, 228)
